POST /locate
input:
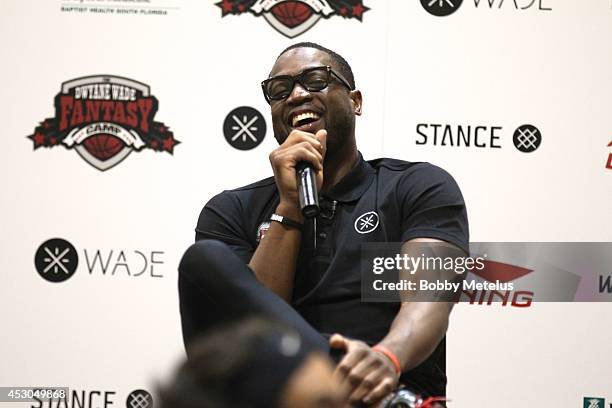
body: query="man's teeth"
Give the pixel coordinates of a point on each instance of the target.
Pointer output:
(302, 116)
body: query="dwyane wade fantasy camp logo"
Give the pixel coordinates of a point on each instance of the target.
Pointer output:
(104, 118)
(294, 17)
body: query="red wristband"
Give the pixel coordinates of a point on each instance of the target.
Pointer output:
(389, 354)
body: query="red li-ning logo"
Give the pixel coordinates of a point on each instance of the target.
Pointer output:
(500, 272)
(294, 17)
(609, 163)
(104, 118)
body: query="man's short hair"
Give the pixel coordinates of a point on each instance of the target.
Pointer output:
(343, 65)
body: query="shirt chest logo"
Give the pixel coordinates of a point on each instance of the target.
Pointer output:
(366, 222)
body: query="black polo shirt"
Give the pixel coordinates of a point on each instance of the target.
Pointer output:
(383, 200)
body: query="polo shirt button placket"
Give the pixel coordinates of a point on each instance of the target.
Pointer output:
(324, 221)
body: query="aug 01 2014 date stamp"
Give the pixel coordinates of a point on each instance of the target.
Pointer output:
(32, 394)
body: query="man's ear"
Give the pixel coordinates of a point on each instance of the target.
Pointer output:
(357, 101)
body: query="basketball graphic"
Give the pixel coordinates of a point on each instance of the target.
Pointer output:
(291, 13)
(103, 146)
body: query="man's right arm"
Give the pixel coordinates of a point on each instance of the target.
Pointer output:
(275, 258)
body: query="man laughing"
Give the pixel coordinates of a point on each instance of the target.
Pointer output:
(256, 254)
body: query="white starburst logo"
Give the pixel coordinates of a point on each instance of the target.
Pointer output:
(367, 222)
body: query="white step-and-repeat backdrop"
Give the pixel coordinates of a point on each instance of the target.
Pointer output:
(121, 118)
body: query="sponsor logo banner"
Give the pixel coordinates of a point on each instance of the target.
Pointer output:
(526, 138)
(244, 128)
(591, 402)
(56, 260)
(294, 17)
(121, 7)
(104, 118)
(75, 398)
(443, 8)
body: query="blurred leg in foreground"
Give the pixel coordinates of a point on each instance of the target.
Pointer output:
(253, 363)
(216, 287)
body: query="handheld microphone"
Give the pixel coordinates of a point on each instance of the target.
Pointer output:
(307, 189)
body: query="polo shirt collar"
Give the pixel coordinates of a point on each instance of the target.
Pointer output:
(354, 184)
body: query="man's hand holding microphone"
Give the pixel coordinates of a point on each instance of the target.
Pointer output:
(298, 150)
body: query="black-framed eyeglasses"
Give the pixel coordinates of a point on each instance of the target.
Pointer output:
(312, 79)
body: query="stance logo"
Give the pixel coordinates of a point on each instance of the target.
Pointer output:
(294, 17)
(244, 128)
(590, 402)
(441, 8)
(367, 222)
(527, 138)
(104, 118)
(56, 260)
(139, 399)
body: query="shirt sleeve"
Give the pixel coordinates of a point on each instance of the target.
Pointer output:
(221, 219)
(433, 207)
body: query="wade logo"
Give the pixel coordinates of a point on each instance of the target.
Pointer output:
(104, 118)
(367, 222)
(441, 8)
(515, 4)
(294, 17)
(56, 260)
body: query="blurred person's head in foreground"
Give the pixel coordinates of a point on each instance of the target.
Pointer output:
(251, 364)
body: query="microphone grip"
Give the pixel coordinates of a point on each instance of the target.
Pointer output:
(307, 189)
